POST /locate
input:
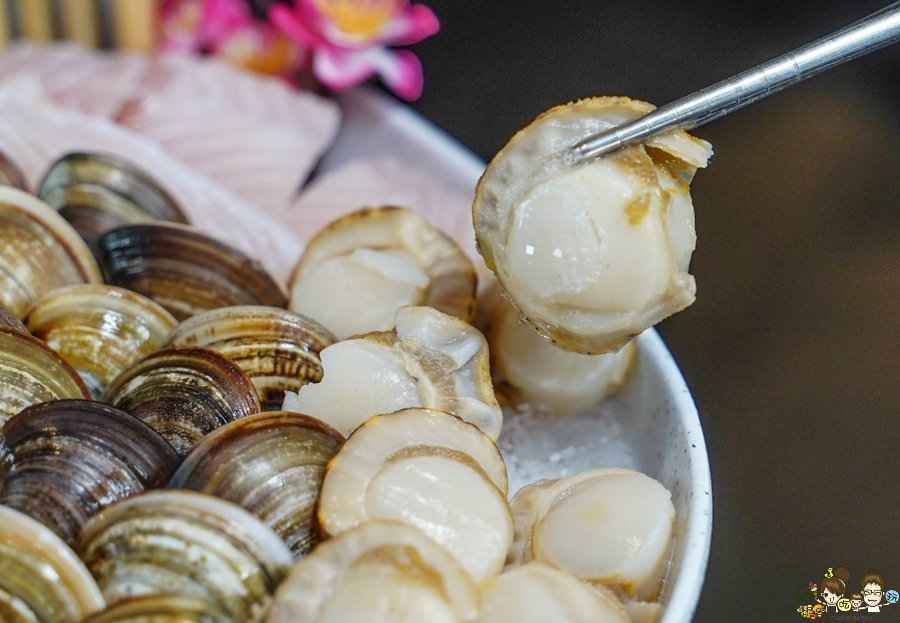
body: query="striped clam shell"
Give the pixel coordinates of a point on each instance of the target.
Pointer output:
(189, 544)
(100, 329)
(39, 252)
(32, 373)
(184, 394)
(65, 460)
(96, 193)
(277, 349)
(187, 270)
(271, 464)
(41, 578)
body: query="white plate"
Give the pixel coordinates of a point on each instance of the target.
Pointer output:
(651, 425)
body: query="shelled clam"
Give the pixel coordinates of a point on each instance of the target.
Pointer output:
(358, 271)
(592, 254)
(32, 373)
(431, 470)
(527, 368)
(39, 252)
(380, 572)
(187, 270)
(187, 544)
(100, 329)
(537, 593)
(610, 526)
(96, 193)
(184, 394)
(277, 349)
(41, 578)
(8, 319)
(271, 464)
(429, 360)
(63, 461)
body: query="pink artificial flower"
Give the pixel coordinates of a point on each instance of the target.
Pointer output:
(226, 28)
(349, 38)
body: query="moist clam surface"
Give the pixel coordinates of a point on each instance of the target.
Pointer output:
(592, 254)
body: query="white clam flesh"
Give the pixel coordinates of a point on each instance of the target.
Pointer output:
(595, 253)
(536, 593)
(431, 360)
(611, 526)
(428, 469)
(357, 272)
(528, 368)
(381, 572)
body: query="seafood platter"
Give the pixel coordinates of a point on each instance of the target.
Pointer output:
(271, 356)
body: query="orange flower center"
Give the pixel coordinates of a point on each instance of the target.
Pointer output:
(359, 18)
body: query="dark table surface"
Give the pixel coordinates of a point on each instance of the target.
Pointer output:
(792, 350)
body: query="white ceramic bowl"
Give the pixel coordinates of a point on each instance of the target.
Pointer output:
(650, 425)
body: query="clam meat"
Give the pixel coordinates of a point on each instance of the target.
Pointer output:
(380, 572)
(595, 253)
(527, 368)
(358, 271)
(271, 464)
(429, 360)
(610, 526)
(428, 469)
(537, 593)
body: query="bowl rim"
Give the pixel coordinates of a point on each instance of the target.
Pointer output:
(421, 142)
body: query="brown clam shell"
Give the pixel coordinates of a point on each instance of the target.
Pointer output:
(277, 349)
(271, 464)
(184, 394)
(100, 329)
(41, 578)
(11, 174)
(188, 544)
(65, 460)
(96, 193)
(39, 252)
(8, 319)
(32, 373)
(161, 608)
(187, 270)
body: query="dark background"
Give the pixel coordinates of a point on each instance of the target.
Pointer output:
(792, 350)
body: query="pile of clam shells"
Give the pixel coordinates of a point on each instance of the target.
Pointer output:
(182, 441)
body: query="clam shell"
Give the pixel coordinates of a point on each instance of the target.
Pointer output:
(277, 349)
(41, 579)
(65, 460)
(271, 464)
(11, 175)
(96, 193)
(184, 394)
(8, 319)
(39, 252)
(187, 270)
(100, 329)
(32, 373)
(161, 609)
(185, 543)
